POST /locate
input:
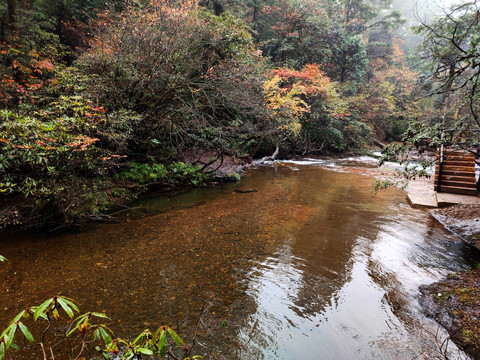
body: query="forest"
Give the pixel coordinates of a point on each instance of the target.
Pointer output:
(103, 100)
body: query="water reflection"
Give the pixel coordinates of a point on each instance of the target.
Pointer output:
(309, 266)
(344, 283)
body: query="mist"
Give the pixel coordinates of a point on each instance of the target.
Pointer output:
(424, 10)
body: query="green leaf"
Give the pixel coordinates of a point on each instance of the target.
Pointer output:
(2, 351)
(25, 332)
(175, 337)
(43, 316)
(65, 307)
(162, 343)
(3, 258)
(11, 335)
(18, 317)
(100, 315)
(80, 318)
(79, 321)
(138, 337)
(41, 309)
(15, 319)
(145, 351)
(70, 303)
(105, 335)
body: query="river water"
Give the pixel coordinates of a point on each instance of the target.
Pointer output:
(309, 266)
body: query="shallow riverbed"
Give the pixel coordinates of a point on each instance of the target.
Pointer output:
(310, 266)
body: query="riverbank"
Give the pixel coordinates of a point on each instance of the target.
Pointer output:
(455, 301)
(463, 220)
(455, 304)
(100, 198)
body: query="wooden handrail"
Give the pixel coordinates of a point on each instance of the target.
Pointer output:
(440, 167)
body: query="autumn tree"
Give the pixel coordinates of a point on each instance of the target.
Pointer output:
(387, 100)
(35, 36)
(290, 93)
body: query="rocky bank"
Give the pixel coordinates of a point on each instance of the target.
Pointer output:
(455, 302)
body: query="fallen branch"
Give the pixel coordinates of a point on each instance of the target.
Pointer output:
(271, 157)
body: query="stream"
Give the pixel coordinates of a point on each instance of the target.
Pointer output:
(309, 266)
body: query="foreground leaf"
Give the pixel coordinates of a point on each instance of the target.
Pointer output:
(41, 309)
(65, 307)
(162, 343)
(175, 337)
(25, 332)
(145, 351)
(100, 315)
(105, 335)
(11, 335)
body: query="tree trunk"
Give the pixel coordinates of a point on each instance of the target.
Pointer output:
(11, 12)
(378, 143)
(255, 12)
(217, 8)
(2, 28)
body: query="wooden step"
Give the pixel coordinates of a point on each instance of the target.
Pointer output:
(458, 190)
(469, 169)
(469, 185)
(465, 163)
(465, 179)
(457, 163)
(456, 153)
(456, 169)
(458, 173)
(458, 158)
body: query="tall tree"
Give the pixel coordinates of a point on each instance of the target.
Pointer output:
(452, 51)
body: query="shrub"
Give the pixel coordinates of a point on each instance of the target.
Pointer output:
(194, 79)
(175, 173)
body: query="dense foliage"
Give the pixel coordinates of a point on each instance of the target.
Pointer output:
(100, 100)
(177, 77)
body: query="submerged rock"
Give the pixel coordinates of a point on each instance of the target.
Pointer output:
(245, 191)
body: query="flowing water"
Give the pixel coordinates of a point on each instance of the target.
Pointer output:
(309, 266)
